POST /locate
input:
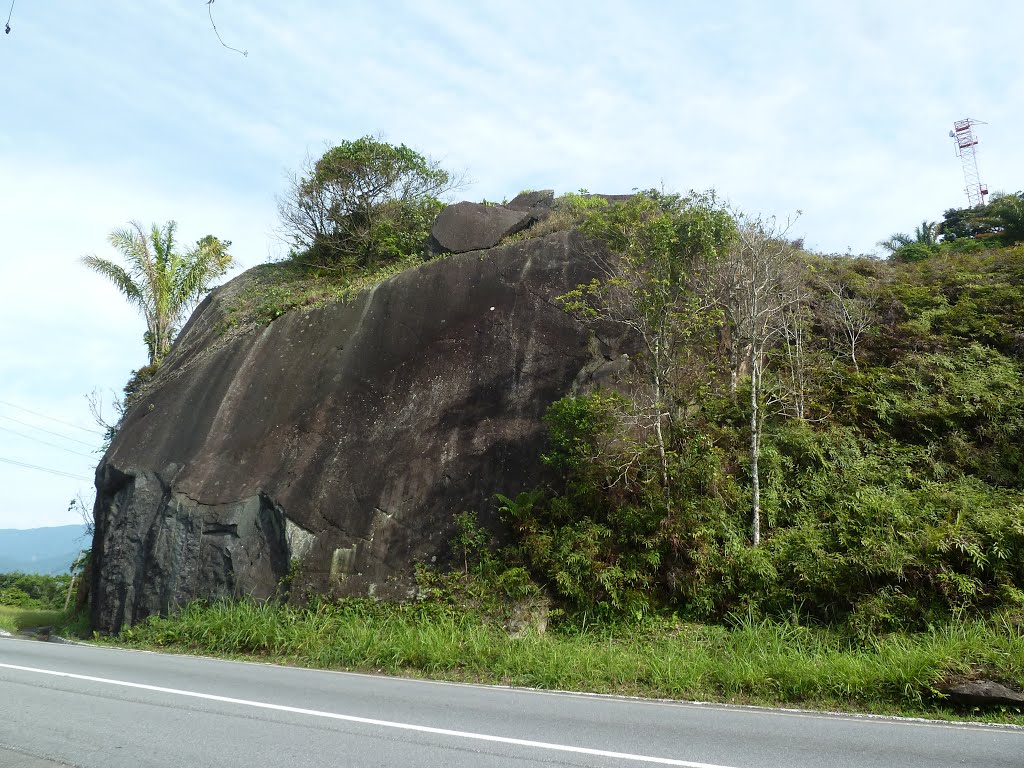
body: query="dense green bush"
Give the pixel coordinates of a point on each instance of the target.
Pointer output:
(896, 501)
(363, 203)
(33, 590)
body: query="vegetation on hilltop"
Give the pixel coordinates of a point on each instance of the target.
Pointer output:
(357, 215)
(1000, 222)
(363, 203)
(887, 426)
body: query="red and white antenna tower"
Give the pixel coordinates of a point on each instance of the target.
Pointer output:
(966, 142)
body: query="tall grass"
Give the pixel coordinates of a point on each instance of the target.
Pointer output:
(752, 661)
(14, 619)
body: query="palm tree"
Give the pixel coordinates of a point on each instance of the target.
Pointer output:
(923, 235)
(897, 241)
(163, 283)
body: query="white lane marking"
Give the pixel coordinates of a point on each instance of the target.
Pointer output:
(373, 721)
(862, 718)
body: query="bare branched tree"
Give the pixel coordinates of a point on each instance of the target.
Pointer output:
(755, 287)
(796, 321)
(98, 411)
(848, 316)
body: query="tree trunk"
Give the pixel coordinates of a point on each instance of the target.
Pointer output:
(755, 451)
(734, 365)
(659, 434)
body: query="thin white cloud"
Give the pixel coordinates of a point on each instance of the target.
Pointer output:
(837, 109)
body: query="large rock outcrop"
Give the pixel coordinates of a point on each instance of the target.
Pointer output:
(344, 437)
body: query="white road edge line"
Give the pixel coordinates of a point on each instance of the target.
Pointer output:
(864, 718)
(373, 721)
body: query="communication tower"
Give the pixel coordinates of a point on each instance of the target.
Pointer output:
(963, 135)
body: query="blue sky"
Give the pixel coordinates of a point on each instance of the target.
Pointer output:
(129, 110)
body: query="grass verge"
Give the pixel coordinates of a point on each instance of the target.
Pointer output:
(14, 619)
(752, 662)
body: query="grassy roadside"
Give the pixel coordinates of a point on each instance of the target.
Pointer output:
(14, 619)
(751, 662)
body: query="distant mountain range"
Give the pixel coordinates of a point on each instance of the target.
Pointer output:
(41, 550)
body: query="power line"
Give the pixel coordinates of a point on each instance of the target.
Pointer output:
(47, 431)
(43, 469)
(44, 442)
(209, 8)
(51, 418)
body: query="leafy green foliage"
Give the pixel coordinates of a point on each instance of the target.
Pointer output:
(606, 560)
(1001, 220)
(33, 591)
(895, 502)
(362, 204)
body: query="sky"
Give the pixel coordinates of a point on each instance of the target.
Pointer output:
(124, 110)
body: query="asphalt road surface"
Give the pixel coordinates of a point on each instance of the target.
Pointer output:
(107, 708)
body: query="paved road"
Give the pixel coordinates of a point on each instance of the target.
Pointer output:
(107, 708)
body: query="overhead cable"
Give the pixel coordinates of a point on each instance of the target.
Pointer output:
(44, 442)
(209, 9)
(43, 469)
(47, 431)
(51, 418)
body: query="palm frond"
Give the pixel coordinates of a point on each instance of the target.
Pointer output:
(120, 277)
(925, 233)
(158, 279)
(201, 266)
(896, 242)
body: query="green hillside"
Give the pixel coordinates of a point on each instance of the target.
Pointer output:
(869, 422)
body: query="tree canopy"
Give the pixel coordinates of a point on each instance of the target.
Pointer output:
(363, 202)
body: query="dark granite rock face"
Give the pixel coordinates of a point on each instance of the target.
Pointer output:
(169, 548)
(467, 227)
(346, 437)
(532, 201)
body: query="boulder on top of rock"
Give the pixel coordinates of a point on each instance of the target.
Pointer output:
(527, 201)
(613, 199)
(473, 226)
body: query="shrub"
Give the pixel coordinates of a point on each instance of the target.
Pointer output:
(362, 203)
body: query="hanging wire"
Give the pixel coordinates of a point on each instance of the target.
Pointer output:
(58, 472)
(7, 28)
(209, 8)
(46, 442)
(47, 431)
(51, 418)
